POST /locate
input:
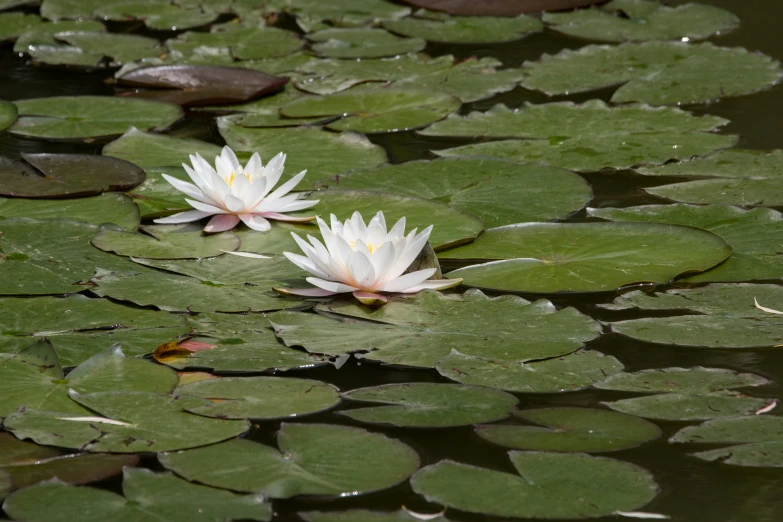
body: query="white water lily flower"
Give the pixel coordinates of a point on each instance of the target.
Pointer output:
(231, 193)
(364, 259)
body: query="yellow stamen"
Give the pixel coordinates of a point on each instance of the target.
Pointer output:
(230, 179)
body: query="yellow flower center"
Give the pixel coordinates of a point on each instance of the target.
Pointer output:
(372, 248)
(231, 177)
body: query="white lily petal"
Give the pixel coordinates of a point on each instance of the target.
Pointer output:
(255, 222)
(186, 188)
(198, 205)
(254, 168)
(404, 282)
(287, 187)
(273, 171)
(228, 155)
(440, 284)
(331, 286)
(251, 255)
(183, 217)
(305, 264)
(234, 204)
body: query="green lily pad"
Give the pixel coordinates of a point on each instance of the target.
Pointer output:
(79, 117)
(585, 257)
(681, 380)
(10, 4)
(242, 41)
(27, 464)
(166, 242)
(551, 485)
(640, 20)
(121, 48)
(106, 208)
(404, 332)
(131, 422)
(465, 29)
(69, 9)
(732, 163)
(498, 192)
(571, 372)
(754, 236)
(233, 270)
(43, 36)
(17, 23)
(572, 430)
(689, 407)
(319, 152)
(377, 110)
(314, 459)
(7, 114)
(715, 316)
(261, 397)
(149, 150)
(161, 16)
(362, 43)
(658, 73)
(33, 378)
(347, 13)
(430, 405)
(596, 135)
(80, 327)
(362, 515)
(177, 293)
(156, 197)
(756, 440)
(149, 497)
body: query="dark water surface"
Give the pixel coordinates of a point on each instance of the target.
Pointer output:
(691, 489)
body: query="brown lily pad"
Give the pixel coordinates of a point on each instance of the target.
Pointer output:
(499, 7)
(193, 85)
(66, 175)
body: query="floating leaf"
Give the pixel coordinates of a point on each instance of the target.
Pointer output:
(346, 13)
(575, 371)
(585, 257)
(362, 43)
(148, 497)
(157, 197)
(16, 23)
(261, 397)
(658, 73)
(80, 327)
(46, 175)
(596, 135)
(754, 236)
(69, 9)
(27, 464)
(429, 405)
(362, 515)
(166, 242)
(33, 378)
(757, 440)
(689, 407)
(640, 20)
(43, 36)
(79, 117)
(156, 150)
(234, 270)
(132, 422)
(320, 153)
(314, 459)
(106, 208)
(572, 430)
(403, 331)
(377, 110)
(7, 114)
(191, 85)
(496, 7)
(498, 192)
(162, 16)
(551, 485)
(463, 29)
(681, 380)
(732, 163)
(10, 4)
(243, 42)
(713, 316)
(121, 48)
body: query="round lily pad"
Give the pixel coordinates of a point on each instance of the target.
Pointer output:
(79, 117)
(498, 192)
(314, 459)
(681, 380)
(377, 110)
(586, 137)
(713, 316)
(463, 29)
(261, 397)
(430, 405)
(585, 257)
(111, 207)
(148, 497)
(162, 16)
(44, 175)
(129, 422)
(658, 73)
(572, 430)
(640, 20)
(7, 114)
(362, 43)
(166, 242)
(234, 269)
(549, 485)
(689, 407)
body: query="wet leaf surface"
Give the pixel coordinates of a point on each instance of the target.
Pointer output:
(166, 242)
(440, 28)
(362, 43)
(107, 208)
(497, 7)
(156, 150)
(7, 114)
(243, 42)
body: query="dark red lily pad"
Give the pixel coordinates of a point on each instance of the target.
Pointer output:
(192, 85)
(66, 175)
(499, 7)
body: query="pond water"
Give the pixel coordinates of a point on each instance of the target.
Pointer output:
(691, 489)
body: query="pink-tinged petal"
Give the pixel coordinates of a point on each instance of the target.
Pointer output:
(305, 264)
(304, 292)
(221, 223)
(283, 217)
(370, 298)
(195, 346)
(234, 204)
(331, 286)
(183, 217)
(255, 222)
(440, 284)
(198, 205)
(402, 283)
(287, 187)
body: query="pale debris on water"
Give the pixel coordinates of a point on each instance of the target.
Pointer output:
(765, 309)
(100, 420)
(769, 407)
(642, 514)
(247, 254)
(424, 516)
